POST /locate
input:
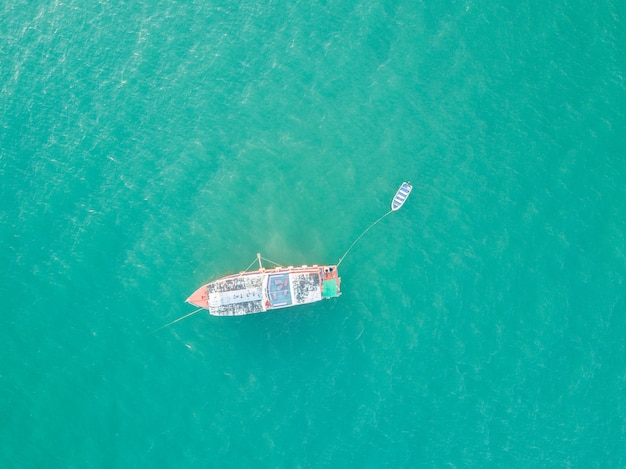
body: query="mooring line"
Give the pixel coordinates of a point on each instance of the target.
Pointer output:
(250, 265)
(361, 235)
(271, 262)
(176, 320)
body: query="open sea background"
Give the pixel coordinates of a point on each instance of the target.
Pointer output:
(148, 147)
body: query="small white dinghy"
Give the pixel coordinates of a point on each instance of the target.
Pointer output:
(401, 196)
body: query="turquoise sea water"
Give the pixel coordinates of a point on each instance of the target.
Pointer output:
(148, 147)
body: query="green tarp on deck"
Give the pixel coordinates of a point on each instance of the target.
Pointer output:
(329, 288)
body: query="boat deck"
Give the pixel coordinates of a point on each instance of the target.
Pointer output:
(235, 296)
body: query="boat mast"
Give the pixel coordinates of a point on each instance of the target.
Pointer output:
(258, 256)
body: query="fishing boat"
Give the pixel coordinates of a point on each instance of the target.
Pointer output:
(262, 290)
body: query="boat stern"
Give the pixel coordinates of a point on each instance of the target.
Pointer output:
(331, 282)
